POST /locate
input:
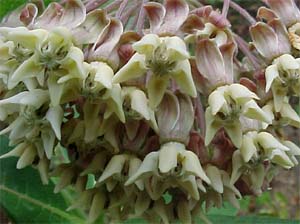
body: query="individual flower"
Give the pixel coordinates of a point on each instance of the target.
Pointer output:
(172, 165)
(161, 17)
(226, 105)
(283, 78)
(270, 39)
(166, 58)
(286, 116)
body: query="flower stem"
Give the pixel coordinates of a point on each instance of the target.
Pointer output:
(91, 5)
(243, 46)
(225, 8)
(140, 22)
(121, 9)
(243, 12)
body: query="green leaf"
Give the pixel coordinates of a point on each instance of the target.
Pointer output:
(25, 198)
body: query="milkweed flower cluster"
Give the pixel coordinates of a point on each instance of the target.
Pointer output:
(156, 122)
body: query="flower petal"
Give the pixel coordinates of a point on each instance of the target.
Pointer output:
(183, 77)
(156, 87)
(134, 68)
(55, 116)
(234, 131)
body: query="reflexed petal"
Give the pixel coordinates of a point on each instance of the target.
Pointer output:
(139, 103)
(55, 116)
(281, 158)
(271, 74)
(73, 63)
(48, 138)
(212, 126)
(91, 121)
(134, 68)
(237, 163)
(16, 152)
(156, 87)
(183, 77)
(248, 149)
(27, 157)
(234, 131)
(191, 165)
(148, 166)
(114, 102)
(214, 175)
(97, 206)
(288, 112)
(55, 90)
(134, 165)
(257, 177)
(294, 149)
(279, 96)
(29, 68)
(268, 141)
(104, 74)
(147, 44)
(114, 167)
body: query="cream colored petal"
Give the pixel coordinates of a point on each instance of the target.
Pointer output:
(134, 68)
(16, 152)
(55, 116)
(48, 138)
(271, 74)
(294, 149)
(281, 158)
(288, 62)
(134, 165)
(114, 167)
(288, 112)
(257, 176)
(234, 131)
(148, 166)
(147, 44)
(104, 74)
(216, 101)
(268, 141)
(27, 157)
(237, 164)
(248, 148)
(139, 103)
(55, 90)
(279, 96)
(241, 93)
(253, 111)
(212, 126)
(28, 69)
(114, 101)
(156, 87)
(191, 165)
(168, 156)
(183, 77)
(176, 48)
(214, 175)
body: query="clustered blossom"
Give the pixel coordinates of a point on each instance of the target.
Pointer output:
(156, 122)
